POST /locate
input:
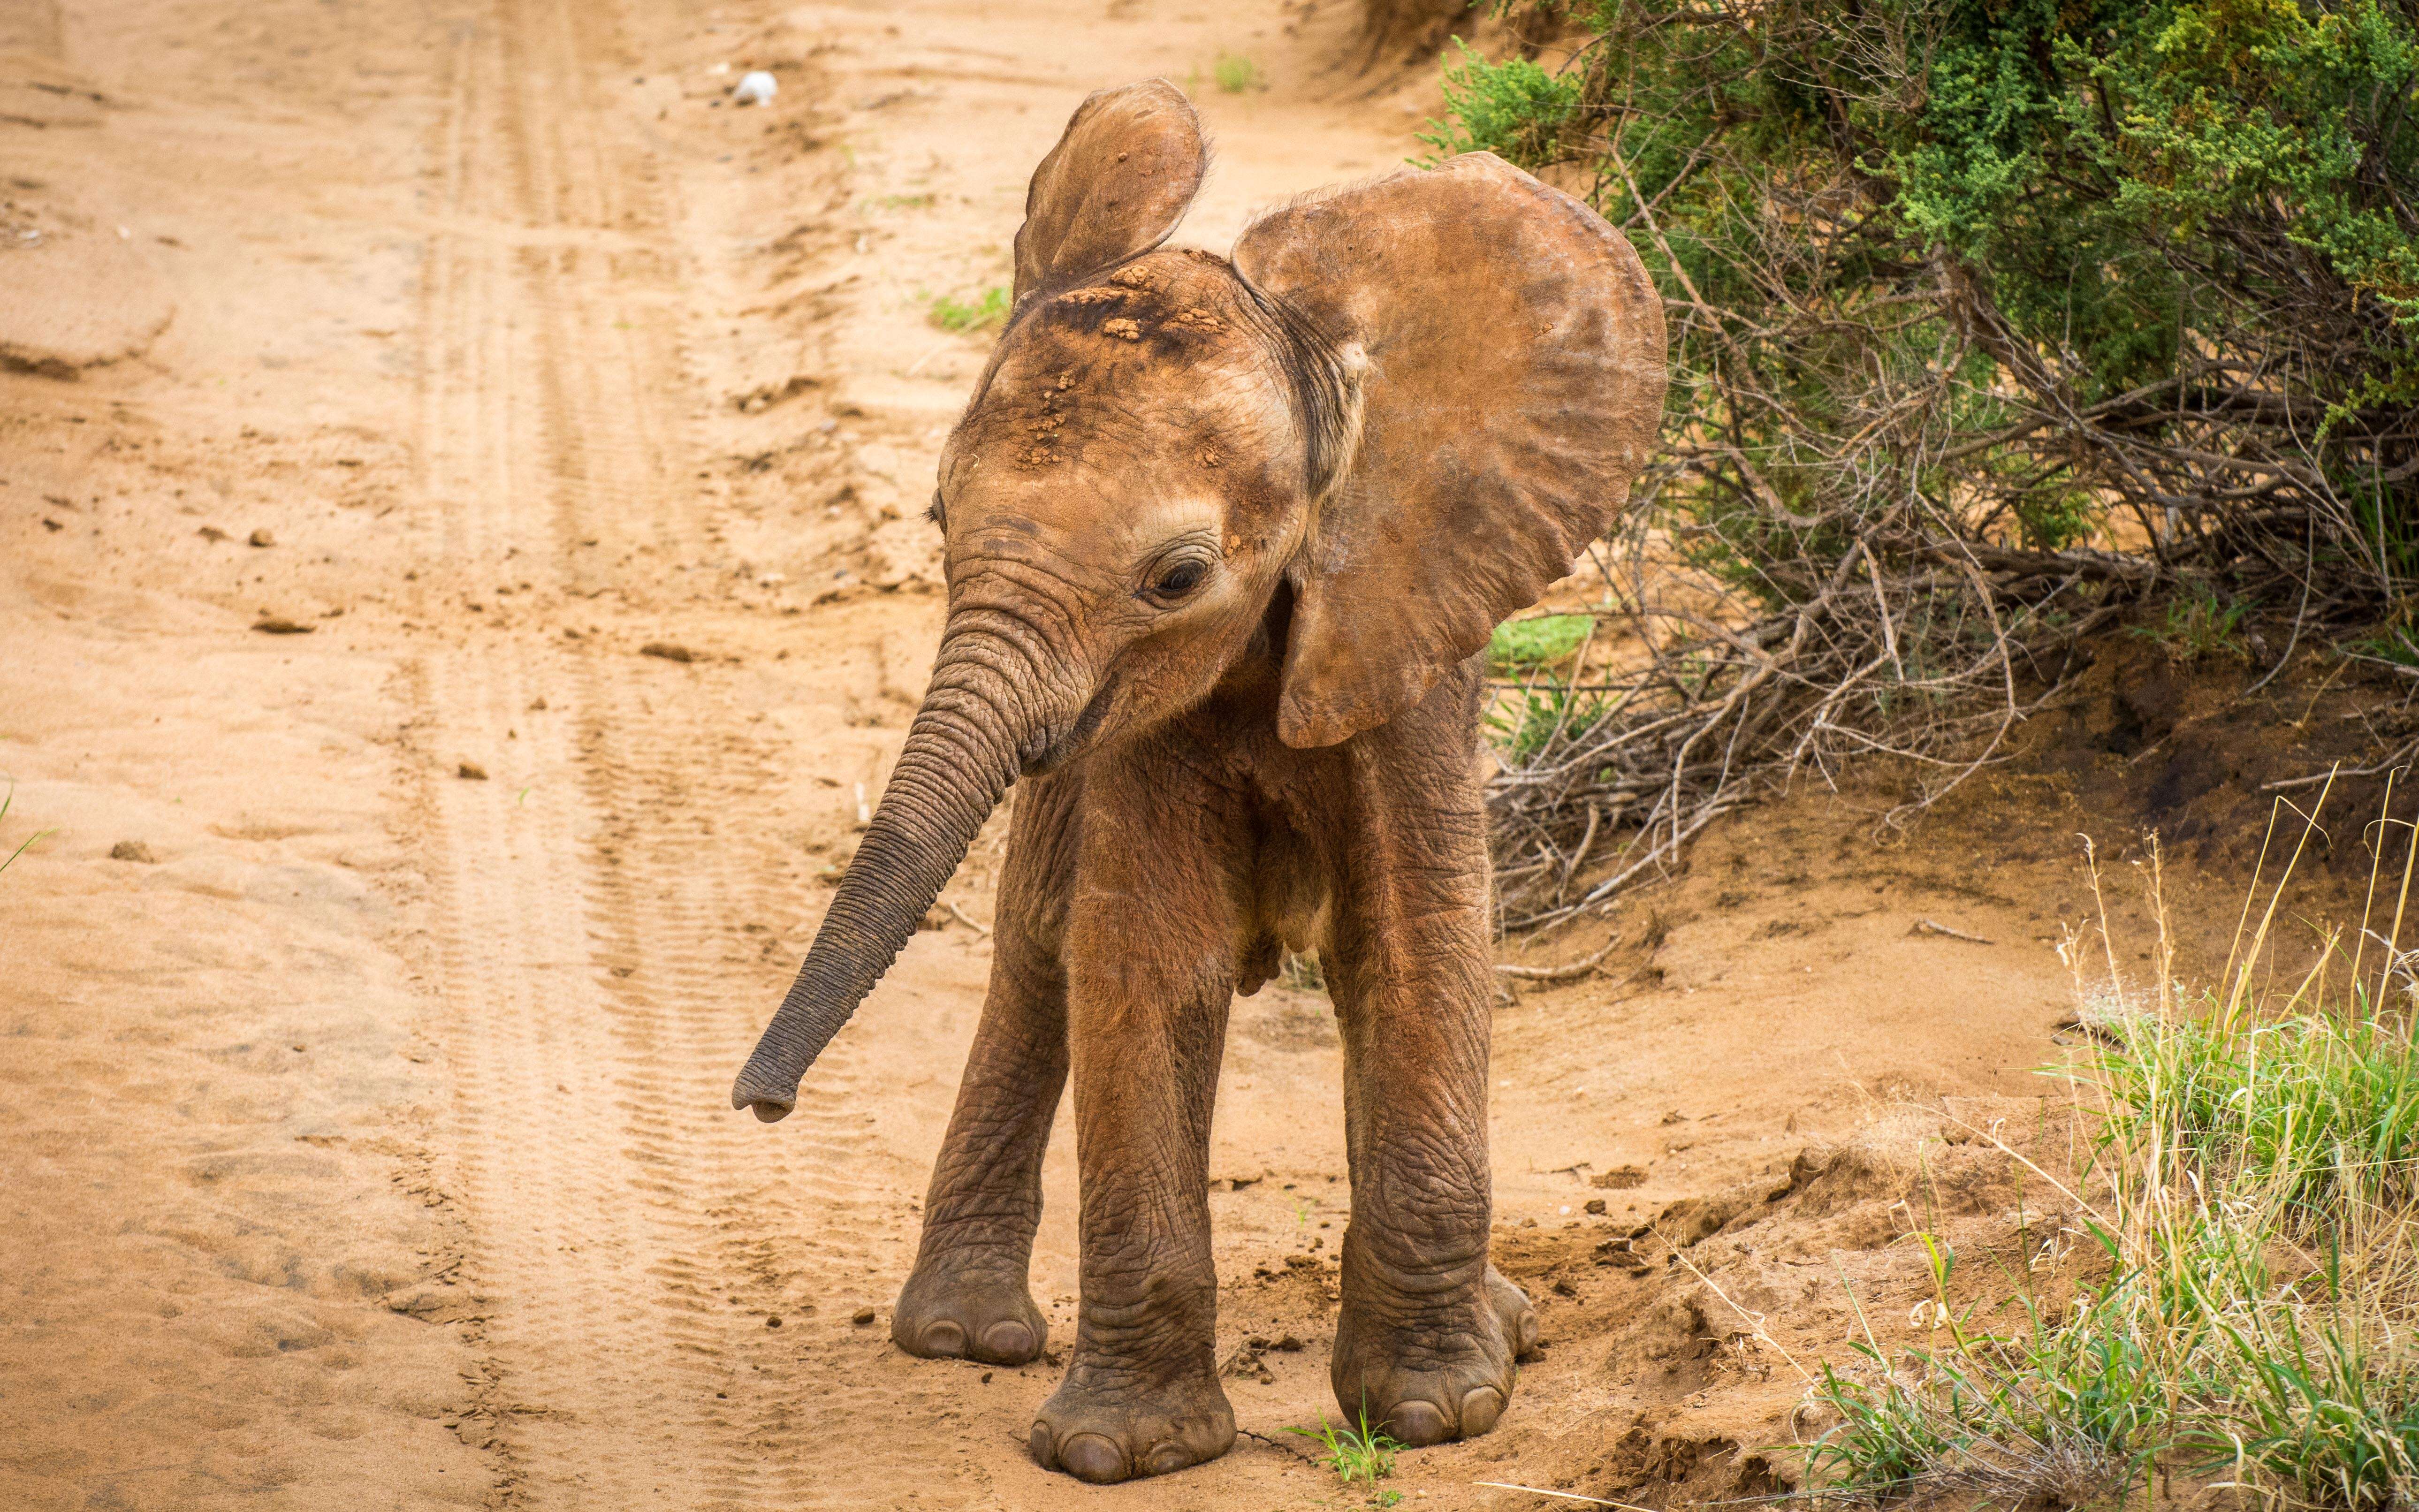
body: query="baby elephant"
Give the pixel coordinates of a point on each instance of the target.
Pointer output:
(1224, 539)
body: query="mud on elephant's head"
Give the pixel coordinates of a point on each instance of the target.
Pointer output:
(1393, 417)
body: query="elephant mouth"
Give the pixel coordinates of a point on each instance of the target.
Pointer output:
(1078, 737)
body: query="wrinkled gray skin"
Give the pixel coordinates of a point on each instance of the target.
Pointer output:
(1221, 538)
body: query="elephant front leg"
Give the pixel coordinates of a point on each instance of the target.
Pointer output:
(1150, 977)
(1142, 1395)
(1428, 1331)
(968, 1297)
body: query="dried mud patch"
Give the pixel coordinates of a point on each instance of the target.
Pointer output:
(1678, 1350)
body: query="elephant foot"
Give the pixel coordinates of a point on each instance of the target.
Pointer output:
(1102, 1432)
(1440, 1369)
(948, 1313)
(1513, 1311)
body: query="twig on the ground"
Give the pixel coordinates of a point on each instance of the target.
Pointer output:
(1925, 926)
(983, 930)
(1571, 972)
(1567, 1496)
(1294, 1450)
(2332, 773)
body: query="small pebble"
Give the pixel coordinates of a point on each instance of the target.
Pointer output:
(472, 771)
(262, 537)
(132, 850)
(862, 1316)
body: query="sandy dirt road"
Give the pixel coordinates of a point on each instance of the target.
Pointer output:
(460, 598)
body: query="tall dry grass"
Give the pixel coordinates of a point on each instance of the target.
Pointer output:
(2251, 1186)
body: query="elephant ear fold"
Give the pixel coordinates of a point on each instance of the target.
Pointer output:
(1509, 348)
(1113, 187)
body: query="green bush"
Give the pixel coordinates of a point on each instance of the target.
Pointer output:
(2084, 241)
(2058, 259)
(1993, 324)
(1537, 642)
(1514, 109)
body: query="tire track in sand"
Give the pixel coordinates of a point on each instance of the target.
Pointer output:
(594, 893)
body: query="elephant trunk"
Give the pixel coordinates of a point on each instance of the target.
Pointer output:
(969, 739)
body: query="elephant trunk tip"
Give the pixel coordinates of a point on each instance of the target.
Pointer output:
(757, 1092)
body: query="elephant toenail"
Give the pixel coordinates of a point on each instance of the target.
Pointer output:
(1091, 1457)
(1418, 1423)
(1010, 1341)
(945, 1340)
(1529, 1333)
(1479, 1411)
(1037, 1443)
(1166, 1459)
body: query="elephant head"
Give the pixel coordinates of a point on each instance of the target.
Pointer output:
(1398, 412)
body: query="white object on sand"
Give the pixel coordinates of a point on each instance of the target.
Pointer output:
(756, 88)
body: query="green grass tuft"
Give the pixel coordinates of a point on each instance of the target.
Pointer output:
(1364, 1453)
(2390, 645)
(1545, 711)
(2200, 624)
(1236, 73)
(981, 313)
(6, 799)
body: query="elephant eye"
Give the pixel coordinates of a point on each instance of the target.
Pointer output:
(938, 514)
(1180, 580)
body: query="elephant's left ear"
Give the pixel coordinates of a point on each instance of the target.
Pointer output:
(1113, 187)
(1509, 349)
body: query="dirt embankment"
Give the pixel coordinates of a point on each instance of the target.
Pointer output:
(460, 477)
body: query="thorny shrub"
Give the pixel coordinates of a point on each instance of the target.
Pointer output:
(1994, 324)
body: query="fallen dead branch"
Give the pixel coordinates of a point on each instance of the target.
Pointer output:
(1925, 926)
(1572, 972)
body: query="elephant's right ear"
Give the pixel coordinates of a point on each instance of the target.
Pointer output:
(1113, 187)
